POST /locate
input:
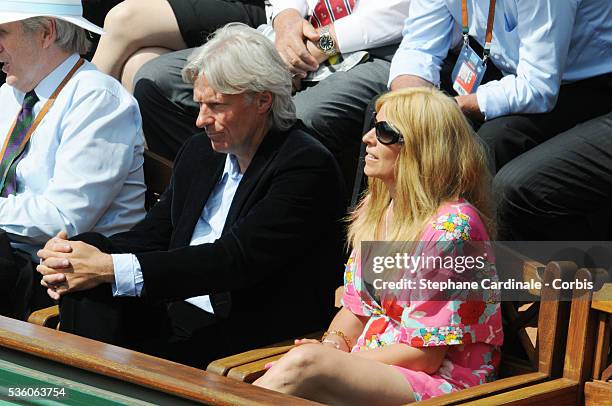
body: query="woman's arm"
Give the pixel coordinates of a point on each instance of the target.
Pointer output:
(348, 324)
(426, 359)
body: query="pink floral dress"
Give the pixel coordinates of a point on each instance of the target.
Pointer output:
(471, 328)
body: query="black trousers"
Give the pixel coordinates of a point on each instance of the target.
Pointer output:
(553, 173)
(16, 280)
(177, 331)
(561, 188)
(510, 136)
(20, 289)
(197, 19)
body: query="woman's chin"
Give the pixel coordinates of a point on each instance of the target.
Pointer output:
(371, 175)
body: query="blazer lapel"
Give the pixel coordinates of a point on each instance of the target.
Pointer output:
(263, 157)
(204, 178)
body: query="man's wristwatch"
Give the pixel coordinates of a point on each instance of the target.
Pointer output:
(326, 42)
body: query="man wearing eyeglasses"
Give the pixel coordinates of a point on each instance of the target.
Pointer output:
(523, 71)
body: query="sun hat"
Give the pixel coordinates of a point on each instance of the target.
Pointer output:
(68, 10)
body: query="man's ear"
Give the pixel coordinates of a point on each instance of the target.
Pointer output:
(48, 33)
(264, 102)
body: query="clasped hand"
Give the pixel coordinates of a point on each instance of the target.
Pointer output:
(70, 266)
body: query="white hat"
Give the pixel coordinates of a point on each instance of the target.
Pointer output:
(68, 10)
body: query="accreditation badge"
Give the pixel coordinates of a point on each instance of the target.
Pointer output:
(468, 71)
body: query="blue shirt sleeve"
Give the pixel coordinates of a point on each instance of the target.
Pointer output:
(428, 35)
(545, 32)
(128, 275)
(541, 44)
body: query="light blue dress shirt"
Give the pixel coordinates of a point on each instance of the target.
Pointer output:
(82, 169)
(128, 274)
(537, 44)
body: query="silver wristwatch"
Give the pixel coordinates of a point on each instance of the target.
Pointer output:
(326, 42)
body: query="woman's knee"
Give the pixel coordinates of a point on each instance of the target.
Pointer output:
(304, 358)
(122, 20)
(298, 366)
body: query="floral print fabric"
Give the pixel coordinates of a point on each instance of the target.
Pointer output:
(471, 327)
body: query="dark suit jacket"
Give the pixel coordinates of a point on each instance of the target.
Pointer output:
(279, 258)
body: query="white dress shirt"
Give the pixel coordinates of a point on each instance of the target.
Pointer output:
(82, 169)
(128, 274)
(537, 45)
(372, 24)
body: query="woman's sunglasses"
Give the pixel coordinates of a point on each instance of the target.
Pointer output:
(387, 134)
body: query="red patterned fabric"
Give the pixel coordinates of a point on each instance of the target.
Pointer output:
(328, 11)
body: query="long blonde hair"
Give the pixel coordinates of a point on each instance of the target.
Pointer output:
(441, 159)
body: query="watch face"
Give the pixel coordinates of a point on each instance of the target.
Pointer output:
(326, 43)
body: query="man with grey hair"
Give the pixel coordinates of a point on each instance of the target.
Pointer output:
(71, 138)
(245, 246)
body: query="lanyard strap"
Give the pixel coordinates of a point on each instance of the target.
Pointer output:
(489, 33)
(44, 110)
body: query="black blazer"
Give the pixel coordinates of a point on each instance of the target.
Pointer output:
(280, 254)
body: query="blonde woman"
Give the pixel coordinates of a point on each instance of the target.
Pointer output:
(427, 182)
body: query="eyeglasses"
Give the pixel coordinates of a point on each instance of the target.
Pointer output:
(387, 134)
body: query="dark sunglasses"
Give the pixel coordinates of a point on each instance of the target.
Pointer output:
(387, 134)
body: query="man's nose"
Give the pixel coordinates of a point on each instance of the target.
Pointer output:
(204, 118)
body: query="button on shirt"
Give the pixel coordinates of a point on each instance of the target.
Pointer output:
(128, 273)
(373, 23)
(537, 45)
(82, 169)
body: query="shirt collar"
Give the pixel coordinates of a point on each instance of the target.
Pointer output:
(47, 86)
(231, 168)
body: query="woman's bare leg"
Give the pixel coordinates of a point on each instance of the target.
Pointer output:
(135, 24)
(135, 62)
(324, 374)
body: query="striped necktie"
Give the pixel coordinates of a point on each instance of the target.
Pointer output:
(16, 145)
(328, 11)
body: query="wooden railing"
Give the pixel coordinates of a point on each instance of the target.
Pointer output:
(139, 369)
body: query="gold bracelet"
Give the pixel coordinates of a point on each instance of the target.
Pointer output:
(332, 342)
(340, 334)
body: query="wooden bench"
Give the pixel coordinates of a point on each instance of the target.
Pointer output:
(585, 377)
(92, 372)
(545, 347)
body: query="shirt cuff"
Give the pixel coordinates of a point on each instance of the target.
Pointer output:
(410, 62)
(492, 100)
(350, 37)
(128, 275)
